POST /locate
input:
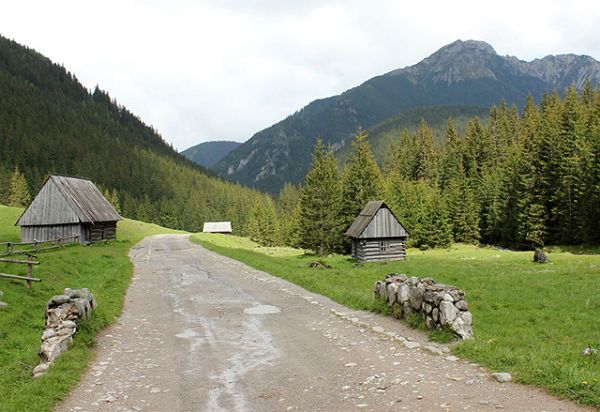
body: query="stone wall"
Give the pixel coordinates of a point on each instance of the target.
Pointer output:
(63, 312)
(441, 305)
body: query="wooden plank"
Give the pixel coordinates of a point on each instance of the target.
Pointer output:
(24, 262)
(6, 275)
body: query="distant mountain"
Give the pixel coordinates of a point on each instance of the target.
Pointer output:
(461, 73)
(208, 153)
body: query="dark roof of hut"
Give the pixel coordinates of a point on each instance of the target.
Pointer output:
(82, 196)
(366, 216)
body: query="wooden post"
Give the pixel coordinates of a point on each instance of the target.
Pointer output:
(37, 246)
(8, 248)
(29, 274)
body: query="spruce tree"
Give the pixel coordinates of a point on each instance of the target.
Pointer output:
(362, 180)
(321, 226)
(463, 209)
(18, 195)
(531, 212)
(425, 157)
(436, 226)
(289, 196)
(451, 163)
(570, 190)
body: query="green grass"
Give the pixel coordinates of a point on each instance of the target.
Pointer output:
(104, 268)
(530, 319)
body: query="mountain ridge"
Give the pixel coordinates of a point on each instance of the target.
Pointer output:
(461, 73)
(207, 154)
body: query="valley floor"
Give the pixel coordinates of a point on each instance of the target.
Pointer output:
(202, 331)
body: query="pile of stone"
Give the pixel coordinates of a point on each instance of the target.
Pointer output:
(62, 314)
(440, 305)
(2, 304)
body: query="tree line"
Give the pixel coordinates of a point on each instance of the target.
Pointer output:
(522, 179)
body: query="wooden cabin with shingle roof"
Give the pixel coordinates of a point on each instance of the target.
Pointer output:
(377, 234)
(66, 207)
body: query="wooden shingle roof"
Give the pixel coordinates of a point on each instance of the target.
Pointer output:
(366, 216)
(82, 197)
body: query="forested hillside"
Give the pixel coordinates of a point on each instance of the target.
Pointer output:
(521, 180)
(50, 123)
(390, 131)
(461, 73)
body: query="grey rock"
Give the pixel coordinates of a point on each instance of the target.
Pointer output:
(448, 312)
(464, 331)
(502, 377)
(447, 297)
(467, 317)
(428, 296)
(48, 333)
(392, 293)
(58, 300)
(462, 305)
(540, 256)
(403, 293)
(412, 345)
(435, 313)
(433, 349)
(427, 307)
(383, 291)
(438, 297)
(3, 305)
(377, 288)
(416, 296)
(457, 294)
(41, 369)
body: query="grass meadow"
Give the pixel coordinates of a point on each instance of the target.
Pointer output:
(103, 268)
(530, 319)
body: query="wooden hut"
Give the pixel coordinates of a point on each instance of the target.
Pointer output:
(376, 234)
(217, 227)
(66, 207)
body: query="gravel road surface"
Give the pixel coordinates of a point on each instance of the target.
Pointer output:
(202, 332)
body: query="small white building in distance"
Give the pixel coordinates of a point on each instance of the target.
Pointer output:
(217, 227)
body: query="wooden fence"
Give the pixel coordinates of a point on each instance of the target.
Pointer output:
(29, 262)
(15, 248)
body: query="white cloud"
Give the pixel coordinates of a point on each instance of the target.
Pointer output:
(201, 70)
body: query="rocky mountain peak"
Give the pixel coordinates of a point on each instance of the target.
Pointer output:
(455, 62)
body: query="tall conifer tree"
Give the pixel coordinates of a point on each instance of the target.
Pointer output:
(321, 227)
(362, 180)
(18, 195)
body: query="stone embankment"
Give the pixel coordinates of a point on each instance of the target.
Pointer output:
(441, 305)
(62, 314)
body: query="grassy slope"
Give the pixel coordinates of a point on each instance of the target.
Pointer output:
(105, 269)
(533, 320)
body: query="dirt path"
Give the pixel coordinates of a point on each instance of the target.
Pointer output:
(202, 332)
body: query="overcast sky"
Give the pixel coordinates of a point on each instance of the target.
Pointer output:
(215, 70)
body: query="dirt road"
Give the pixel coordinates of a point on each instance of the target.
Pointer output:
(202, 332)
